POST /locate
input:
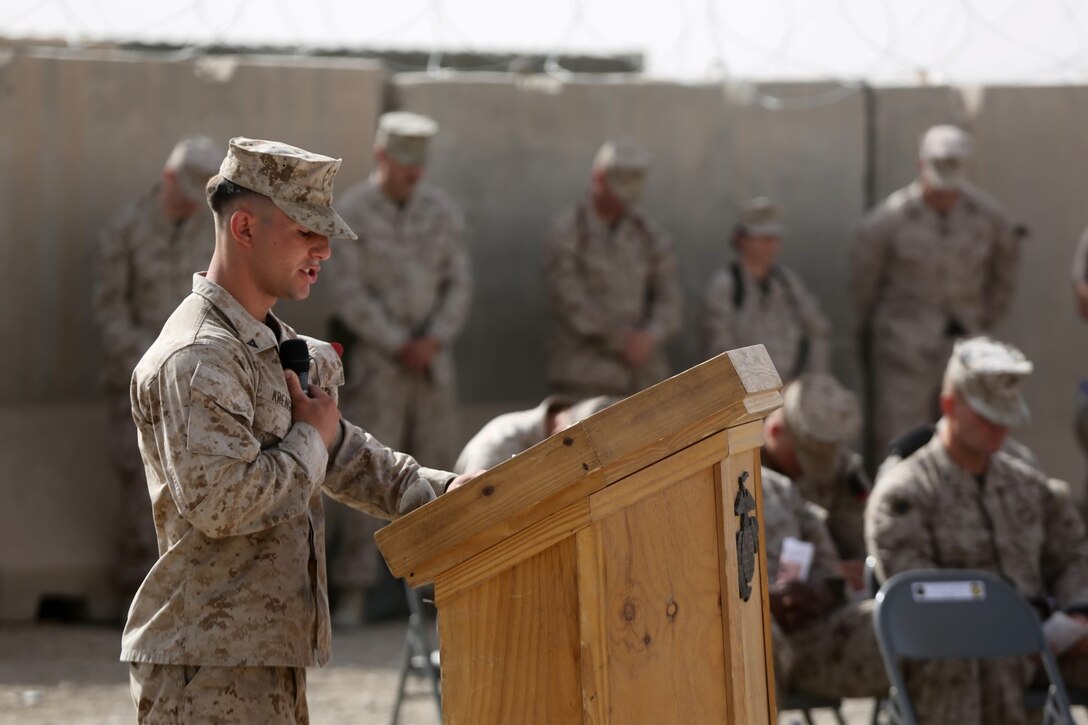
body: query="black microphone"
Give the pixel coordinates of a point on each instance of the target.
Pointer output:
(294, 355)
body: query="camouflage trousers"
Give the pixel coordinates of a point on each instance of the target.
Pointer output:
(835, 657)
(411, 414)
(905, 390)
(138, 547)
(981, 692)
(183, 694)
(971, 692)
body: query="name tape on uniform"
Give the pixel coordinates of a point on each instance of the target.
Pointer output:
(955, 591)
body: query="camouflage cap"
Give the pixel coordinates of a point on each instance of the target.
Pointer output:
(822, 416)
(621, 153)
(624, 165)
(297, 181)
(405, 136)
(761, 217)
(989, 374)
(945, 142)
(194, 160)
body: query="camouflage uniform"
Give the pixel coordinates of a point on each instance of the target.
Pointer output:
(603, 282)
(928, 513)
(779, 313)
(143, 268)
(920, 280)
(821, 418)
(236, 493)
(237, 695)
(843, 497)
(511, 433)
(837, 656)
(507, 435)
(407, 276)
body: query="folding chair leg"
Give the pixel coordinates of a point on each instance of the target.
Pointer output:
(402, 678)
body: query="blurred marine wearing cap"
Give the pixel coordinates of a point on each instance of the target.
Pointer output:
(143, 268)
(402, 295)
(934, 262)
(756, 299)
(612, 284)
(962, 502)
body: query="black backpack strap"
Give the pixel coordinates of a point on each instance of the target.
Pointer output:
(738, 286)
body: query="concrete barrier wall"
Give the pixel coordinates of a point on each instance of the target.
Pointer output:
(1032, 154)
(80, 134)
(515, 153)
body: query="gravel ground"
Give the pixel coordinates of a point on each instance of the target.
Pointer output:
(65, 675)
(68, 675)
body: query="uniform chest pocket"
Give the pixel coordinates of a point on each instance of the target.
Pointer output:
(914, 249)
(219, 414)
(272, 416)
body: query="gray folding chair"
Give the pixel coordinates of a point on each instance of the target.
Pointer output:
(958, 614)
(806, 703)
(418, 657)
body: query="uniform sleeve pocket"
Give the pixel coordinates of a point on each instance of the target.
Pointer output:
(220, 416)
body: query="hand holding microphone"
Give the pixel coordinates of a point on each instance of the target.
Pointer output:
(309, 403)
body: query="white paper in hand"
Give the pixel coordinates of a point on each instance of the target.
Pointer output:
(1062, 632)
(795, 561)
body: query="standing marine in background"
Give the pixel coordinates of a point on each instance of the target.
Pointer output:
(935, 262)
(402, 294)
(143, 268)
(612, 283)
(756, 300)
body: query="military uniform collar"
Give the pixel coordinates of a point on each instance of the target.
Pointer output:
(387, 205)
(967, 202)
(600, 226)
(252, 332)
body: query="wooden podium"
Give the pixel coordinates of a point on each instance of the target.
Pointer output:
(607, 574)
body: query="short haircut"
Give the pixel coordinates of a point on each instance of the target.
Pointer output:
(222, 192)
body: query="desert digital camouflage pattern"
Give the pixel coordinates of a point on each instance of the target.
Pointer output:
(779, 312)
(823, 418)
(601, 283)
(408, 276)
(921, 279)
(143, 268)
(928, 513)
(837, 656)
(221, 695)
(843, 495)
(299, 182)
(235, 489)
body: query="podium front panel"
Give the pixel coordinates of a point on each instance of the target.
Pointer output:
(661, 607)
(513, 645)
